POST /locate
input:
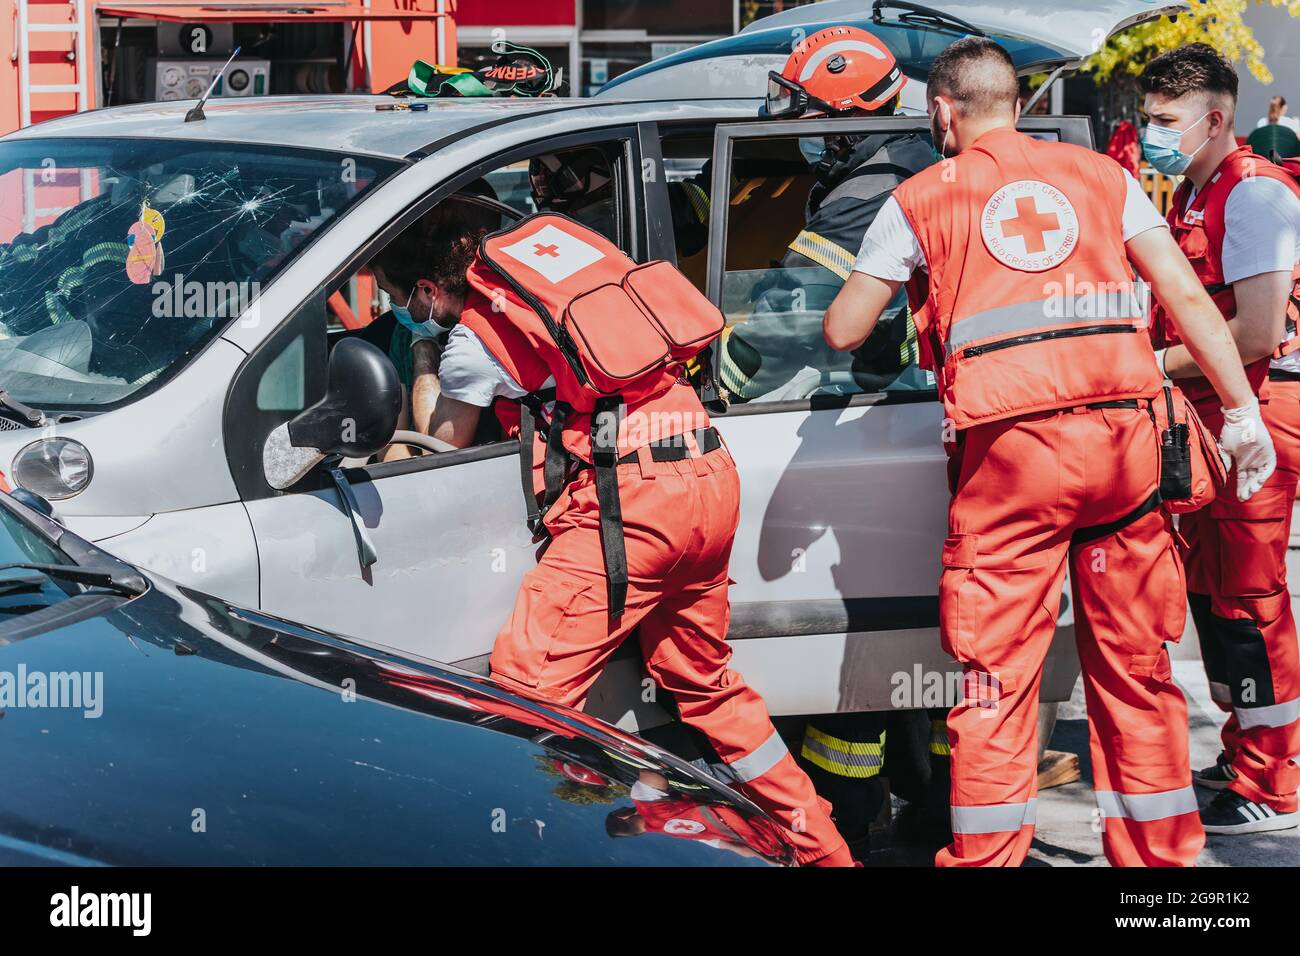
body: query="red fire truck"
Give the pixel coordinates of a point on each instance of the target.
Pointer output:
(69, 55)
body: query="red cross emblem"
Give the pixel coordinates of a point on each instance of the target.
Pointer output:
(1039, 216)
(1030, 224)
(552, 250)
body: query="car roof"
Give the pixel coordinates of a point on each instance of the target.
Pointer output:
(1073, 28)
(1039, 38)
(340, 123)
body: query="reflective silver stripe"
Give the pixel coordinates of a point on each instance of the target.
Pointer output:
(1220, 692)
(994, 818)
(1144, 807)
(1005, 320)
(1274, 715)
(766, 756)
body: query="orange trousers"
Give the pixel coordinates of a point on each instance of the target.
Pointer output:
(1236, 579)
(679, 519)
(1031, 494)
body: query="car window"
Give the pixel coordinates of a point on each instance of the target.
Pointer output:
(780, 274)
(120, 259)
(581, 182)
(686, 175)
(391, 276)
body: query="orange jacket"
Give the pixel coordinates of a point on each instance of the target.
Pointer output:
(1029, 304)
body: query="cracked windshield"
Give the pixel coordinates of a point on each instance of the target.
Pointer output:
(121, 259)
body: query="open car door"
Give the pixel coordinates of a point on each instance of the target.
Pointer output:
(843, 473)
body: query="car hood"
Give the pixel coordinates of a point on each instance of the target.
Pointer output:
(1040, 37)
(220, 735)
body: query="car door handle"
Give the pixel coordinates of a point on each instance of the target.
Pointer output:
(366, 553)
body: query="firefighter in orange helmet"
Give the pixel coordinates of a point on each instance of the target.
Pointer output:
(1016, 253)
(840, 71)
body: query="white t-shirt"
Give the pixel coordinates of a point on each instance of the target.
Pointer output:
(890, 249)
(470, 373)
(1261, 234)
(1290, 122)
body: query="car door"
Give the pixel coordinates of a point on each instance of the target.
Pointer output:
(843, 480)
(447, 530)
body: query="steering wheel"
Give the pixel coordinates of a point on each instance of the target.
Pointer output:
(421, 440)
(496, 205)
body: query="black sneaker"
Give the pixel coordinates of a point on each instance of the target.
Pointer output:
(1218, 777)
(1232, 813)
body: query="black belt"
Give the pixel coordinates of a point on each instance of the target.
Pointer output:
(675, 448)
(1117, 403)
(1282, 375)
(1098, 531)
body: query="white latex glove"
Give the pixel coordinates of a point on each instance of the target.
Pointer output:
(1245, 441)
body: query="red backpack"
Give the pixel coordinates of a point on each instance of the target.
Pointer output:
(617, 325)
(615, 336)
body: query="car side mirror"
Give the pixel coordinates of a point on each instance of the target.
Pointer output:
(355, 419)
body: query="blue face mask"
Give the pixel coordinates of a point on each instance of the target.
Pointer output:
(427, 329)
(1161, 146)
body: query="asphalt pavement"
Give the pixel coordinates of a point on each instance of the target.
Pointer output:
(1066, 833)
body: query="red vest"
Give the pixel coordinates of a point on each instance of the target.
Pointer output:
(1029, 303)
(550, 298)
(1199, 232)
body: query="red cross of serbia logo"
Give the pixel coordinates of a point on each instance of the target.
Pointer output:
(1029, 225)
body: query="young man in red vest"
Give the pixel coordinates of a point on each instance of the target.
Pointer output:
(1237, 217)
(648, 474)
(1028, 317)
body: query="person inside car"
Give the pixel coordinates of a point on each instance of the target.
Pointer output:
(411, 332)
(578, 183)
(842, 72)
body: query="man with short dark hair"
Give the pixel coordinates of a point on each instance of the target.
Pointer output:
(1237, 217)
(1048, 392)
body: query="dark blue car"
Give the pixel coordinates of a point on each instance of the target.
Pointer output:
(144, 723)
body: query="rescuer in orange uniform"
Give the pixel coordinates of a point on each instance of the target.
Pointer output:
(1028, 317)
(1237, 217)
(641, 498)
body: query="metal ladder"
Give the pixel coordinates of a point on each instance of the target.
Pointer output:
(76, 56)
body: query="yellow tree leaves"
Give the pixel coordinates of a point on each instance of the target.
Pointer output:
(1216, 22)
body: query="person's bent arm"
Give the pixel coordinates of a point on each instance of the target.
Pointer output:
(857, 308)
(454, 422)
(1257, 327)
(1199, 323)
(424, 387)
(890, 254)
